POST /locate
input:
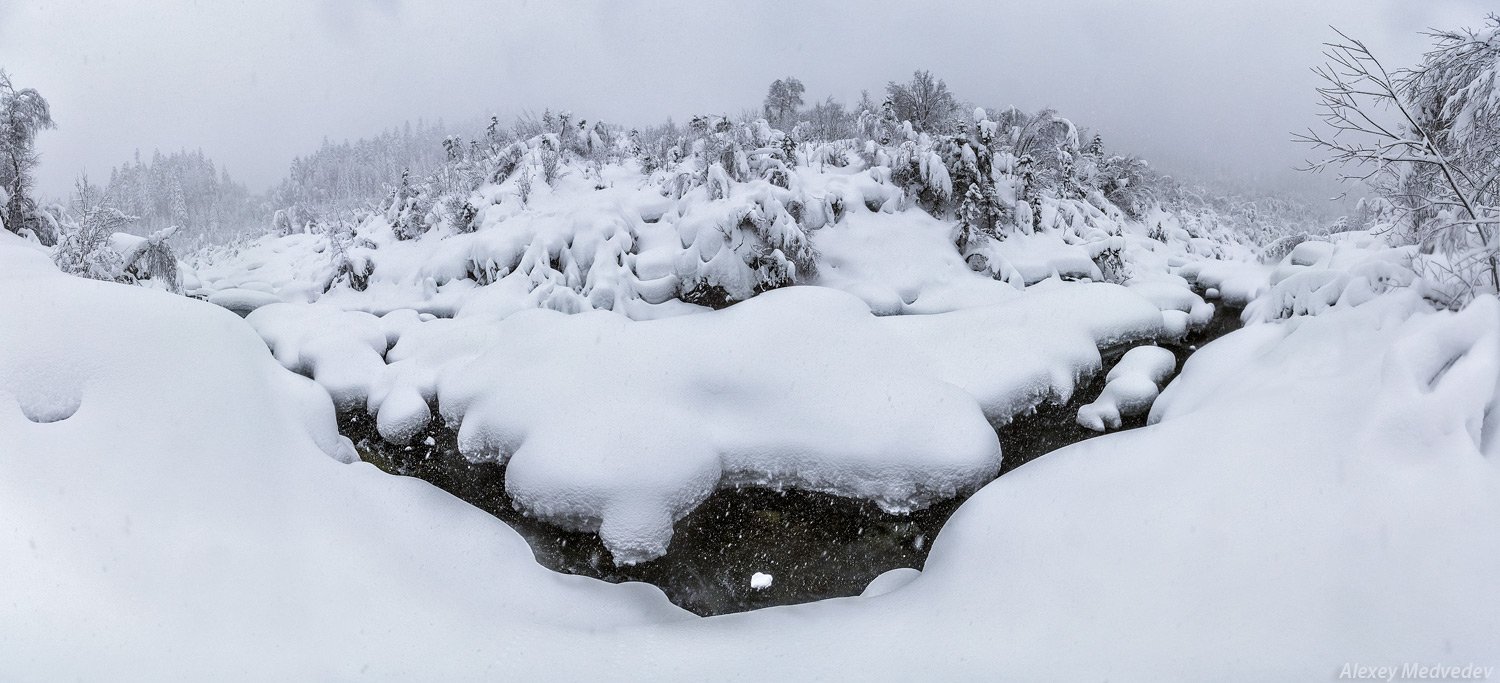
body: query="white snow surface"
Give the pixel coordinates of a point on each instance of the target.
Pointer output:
(1311, 491)
(1315, 489)
(171, 511)
(1343, 268)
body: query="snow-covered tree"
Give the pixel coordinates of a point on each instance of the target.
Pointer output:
(827, 120)
(23, 113)
(1427, 140)
(359, 175)
(150, 260)
(783, 99)
(404, 210)
(85, 248)
(924, 101)
(188, 191)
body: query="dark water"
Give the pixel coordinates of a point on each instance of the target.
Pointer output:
(815, 545)
(1053, 426)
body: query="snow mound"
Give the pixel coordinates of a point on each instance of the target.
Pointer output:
(1129, 389)
(1316, 275)
(1347, 269)
(1236, 283)
(1013, 357)
(890, 581)
(186, 519)
(341, 350)
(1040, 256)
(242, 301)
(623, 427)
(902, 263)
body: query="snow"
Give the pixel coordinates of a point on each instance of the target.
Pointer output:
(623, 427)
(890, 581)
(1317, 275)
(1250, 517)
(1235, 283)
(615, 238)
(242, 301)
(340, 350)
(1328, 521)
(1320, 485)
(186, 519)
(902, 264)
(1130, 387)
(1041, 256)
(1036, 348)
(622, 424)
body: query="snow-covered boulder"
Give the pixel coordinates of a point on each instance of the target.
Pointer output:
(1129, 388)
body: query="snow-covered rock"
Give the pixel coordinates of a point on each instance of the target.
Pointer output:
(341, 350)
(1129, 388)
(242, 301)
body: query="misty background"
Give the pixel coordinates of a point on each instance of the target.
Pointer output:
(1211, 91)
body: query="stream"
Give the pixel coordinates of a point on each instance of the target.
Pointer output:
(814, 545)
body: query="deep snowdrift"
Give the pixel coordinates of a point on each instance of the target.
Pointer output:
(171, 510)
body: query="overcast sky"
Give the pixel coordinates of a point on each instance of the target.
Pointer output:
(1196, 85)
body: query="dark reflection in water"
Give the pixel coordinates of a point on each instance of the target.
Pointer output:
(813, 545)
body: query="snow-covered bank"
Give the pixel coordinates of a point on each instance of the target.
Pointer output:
(1312, 493)
(623, 427)
(171, 509)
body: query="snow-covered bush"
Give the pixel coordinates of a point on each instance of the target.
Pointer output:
(149, 259)
(406, 209)
(86, 249)
(572, 214)
(925, 101)
(1434, 168)
(351, 265)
